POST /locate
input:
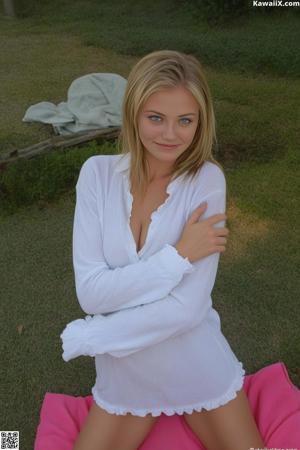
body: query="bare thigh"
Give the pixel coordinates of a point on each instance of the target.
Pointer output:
(104, 431)
(228, 427)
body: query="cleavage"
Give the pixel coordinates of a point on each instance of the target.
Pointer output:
(143, 209)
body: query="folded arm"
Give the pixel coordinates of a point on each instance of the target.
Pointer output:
(128, 331)
(101, 289)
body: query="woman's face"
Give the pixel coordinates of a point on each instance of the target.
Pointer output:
(170, 117)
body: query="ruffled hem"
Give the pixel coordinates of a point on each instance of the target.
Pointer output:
(230, 394)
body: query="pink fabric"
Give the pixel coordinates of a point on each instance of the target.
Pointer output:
(274, 401)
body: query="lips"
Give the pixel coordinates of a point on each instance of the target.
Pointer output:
(167, 146)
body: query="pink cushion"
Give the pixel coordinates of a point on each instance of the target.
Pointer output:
(274, 401)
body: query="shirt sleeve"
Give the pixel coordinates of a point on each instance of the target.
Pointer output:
(128, 331)
(99, 288)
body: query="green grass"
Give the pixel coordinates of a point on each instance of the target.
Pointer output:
(40, 67)
(257, 288)
(259, 42)
(256, 121)
(43, 179)
(55, 42)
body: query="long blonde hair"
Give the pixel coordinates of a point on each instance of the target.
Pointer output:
(156, 71)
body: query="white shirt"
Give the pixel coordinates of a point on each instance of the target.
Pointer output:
(155, 335)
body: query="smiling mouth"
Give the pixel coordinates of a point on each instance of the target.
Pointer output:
(167, 145)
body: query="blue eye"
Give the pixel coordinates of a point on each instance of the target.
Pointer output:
(183, 118)
(189, 120)
(150, 117)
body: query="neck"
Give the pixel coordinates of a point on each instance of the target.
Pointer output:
(158, 170)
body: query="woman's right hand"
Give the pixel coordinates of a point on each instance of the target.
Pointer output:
(200, 239)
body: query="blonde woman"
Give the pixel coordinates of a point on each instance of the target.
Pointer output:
(148, 233)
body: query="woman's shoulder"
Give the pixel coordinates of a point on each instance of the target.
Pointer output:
(96, 171)
(99, 164)
(212, 169)
(210, 176)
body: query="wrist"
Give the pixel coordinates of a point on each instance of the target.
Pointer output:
(180, 250)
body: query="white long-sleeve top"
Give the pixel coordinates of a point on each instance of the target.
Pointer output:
(153, 320)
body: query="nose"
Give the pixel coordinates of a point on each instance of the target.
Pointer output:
(168, 132)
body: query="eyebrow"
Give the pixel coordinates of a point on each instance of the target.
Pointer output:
(181, 115)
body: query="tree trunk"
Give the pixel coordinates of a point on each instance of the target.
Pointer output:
(9, 9)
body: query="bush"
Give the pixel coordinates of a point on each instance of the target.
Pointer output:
(216, 11)
(44, 178)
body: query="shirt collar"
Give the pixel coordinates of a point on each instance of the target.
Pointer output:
(123, 164)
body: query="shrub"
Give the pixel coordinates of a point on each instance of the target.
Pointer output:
(44, 178)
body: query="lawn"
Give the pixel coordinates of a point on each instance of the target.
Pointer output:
(257, 108)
